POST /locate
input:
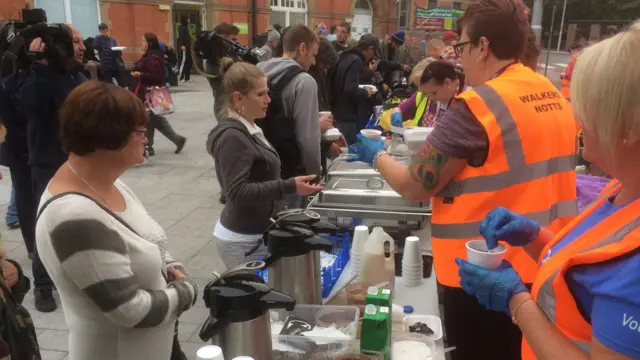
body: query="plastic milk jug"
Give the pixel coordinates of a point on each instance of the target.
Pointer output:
(376, 267)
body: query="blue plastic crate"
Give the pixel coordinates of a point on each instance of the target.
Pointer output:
(329, 275)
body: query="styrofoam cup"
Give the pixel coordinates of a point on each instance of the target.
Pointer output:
(412, 251)
(360, 236)
(478, 254)
(210, 352)
(371, 134)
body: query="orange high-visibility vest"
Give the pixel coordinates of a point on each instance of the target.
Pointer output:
(530, 168)
(613, 237)
(565, 79)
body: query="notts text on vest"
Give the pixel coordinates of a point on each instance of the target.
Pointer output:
(545, 96)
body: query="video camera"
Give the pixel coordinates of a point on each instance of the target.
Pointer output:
(211, 46)
(16, 36)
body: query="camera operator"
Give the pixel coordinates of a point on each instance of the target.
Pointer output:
(229, 32)
(39, 98)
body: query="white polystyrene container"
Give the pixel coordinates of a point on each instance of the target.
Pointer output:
(415, 137)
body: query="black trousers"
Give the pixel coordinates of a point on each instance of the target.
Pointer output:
(186, 69)
(478, 333)
(26, 202)
(162, 124)
(117, 74)
(40, 177)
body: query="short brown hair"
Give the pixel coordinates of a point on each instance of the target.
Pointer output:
(97, 115)
(346, 25)
(503, 22)
(226, 29)
(297, 35)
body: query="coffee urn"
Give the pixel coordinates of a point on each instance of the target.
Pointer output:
(239, 320)
(294, 255)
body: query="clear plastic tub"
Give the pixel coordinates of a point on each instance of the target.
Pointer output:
(433, 322)
(343, 318)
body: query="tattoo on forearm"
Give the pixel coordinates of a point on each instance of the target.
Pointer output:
(426, 166)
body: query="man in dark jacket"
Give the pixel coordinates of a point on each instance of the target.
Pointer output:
(349, 103)
(38, 100)
(229, 32)
(343, 31)
(15, 155)
(184, 39)
(110, 61)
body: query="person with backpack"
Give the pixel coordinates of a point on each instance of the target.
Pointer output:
(292, 123)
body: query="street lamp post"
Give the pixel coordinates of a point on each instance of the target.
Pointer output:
(564, 10)
(536, 19)
(553, 18)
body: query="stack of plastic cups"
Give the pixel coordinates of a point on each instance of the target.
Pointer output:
(412, 262)
(360, 236)
(210, 352)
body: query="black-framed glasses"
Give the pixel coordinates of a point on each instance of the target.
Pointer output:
(459, 47)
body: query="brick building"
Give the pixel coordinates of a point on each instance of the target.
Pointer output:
(130, 19)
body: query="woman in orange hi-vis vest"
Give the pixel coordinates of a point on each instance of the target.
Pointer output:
(585, 300)
(565, 76)
(508, 141)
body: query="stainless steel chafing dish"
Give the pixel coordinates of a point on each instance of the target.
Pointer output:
(369, 198)
(340, 167)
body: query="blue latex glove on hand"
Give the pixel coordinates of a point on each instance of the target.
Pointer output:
(492, 288)
(396, 119)
(365, 149)
(505, 225)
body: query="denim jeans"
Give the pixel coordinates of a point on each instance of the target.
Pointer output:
(12, 210)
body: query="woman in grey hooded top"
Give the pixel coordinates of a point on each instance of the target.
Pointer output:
(247, 167)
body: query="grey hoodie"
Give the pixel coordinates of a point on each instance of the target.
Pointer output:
(249, 174)
(301, 96)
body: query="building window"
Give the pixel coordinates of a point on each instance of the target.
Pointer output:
(83, 14)
(432, 4)
(456, 5)
(288, 12)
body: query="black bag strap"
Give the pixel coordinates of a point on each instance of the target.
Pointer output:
(276, 87)
(107, 210)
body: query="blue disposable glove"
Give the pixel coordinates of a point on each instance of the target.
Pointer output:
(396, 119)
(505, 225)
(492, 288)
(365, 149)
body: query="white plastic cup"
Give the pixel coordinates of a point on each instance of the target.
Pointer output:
(360, 236)
(210, 352)
(412, 251)
(478, 254)
(243, 358)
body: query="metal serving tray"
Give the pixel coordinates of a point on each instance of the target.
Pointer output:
(371, 198)
(341, 168)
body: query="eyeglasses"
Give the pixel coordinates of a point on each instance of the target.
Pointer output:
(140, 132)
(459, 47)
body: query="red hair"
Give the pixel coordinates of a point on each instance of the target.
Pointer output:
(503, 22)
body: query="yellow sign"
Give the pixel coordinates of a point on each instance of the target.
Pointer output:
(164, 7)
